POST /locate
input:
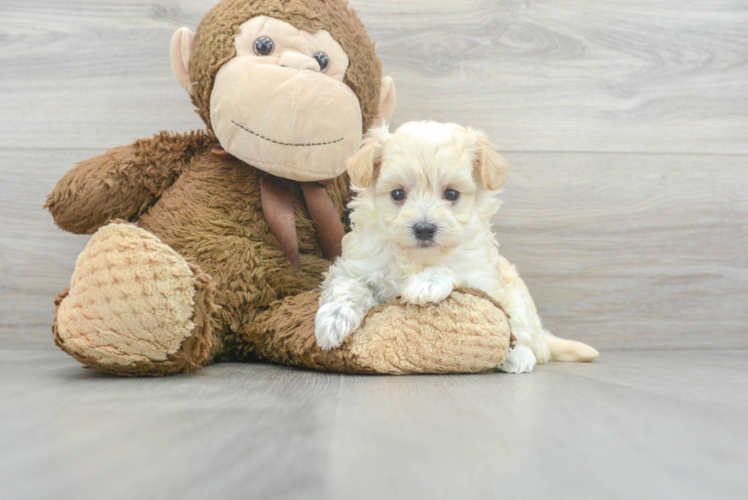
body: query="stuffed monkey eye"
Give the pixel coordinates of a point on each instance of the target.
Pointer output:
(451, 195)
(398, 195)
(322, 60)
(263, 46)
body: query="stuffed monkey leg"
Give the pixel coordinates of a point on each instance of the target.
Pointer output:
(466, 333)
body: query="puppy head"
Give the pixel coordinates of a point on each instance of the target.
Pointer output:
(433, 185)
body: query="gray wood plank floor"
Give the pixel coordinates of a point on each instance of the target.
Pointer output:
(633, 425)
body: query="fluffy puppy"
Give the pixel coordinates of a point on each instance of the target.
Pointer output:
(425, 195)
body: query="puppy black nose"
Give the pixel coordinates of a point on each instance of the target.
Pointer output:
(424, 232)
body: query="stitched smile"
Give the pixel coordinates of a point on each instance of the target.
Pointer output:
(285, 143)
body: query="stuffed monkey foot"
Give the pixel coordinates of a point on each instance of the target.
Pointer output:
(136, 307)
(466, 333)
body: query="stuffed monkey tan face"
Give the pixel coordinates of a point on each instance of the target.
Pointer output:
(281, 103)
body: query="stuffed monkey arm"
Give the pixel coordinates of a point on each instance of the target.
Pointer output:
(123, 182)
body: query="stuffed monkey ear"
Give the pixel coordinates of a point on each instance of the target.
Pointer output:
(490, 166)
(363, 167)
(387, 98)
(180, 51)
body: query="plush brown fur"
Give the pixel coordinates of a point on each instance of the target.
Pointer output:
(250, 301)
(212, 216)
(123, 183)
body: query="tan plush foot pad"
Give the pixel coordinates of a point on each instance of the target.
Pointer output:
(466, 333)
(135, 306)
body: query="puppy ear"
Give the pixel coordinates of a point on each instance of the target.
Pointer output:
(363, 167)
(490, 166)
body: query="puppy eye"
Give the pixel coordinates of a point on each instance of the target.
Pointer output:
(398, 195)
(322, 60)
(264, 46)
(451, 195)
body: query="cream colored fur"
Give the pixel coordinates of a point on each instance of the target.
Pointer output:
(382, 257)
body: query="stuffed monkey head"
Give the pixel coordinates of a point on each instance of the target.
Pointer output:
(288, 86)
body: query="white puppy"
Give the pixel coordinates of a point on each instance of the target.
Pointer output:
(421, 226)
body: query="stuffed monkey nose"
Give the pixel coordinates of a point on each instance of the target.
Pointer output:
(296, 60)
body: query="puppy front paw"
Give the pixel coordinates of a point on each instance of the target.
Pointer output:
(429, 289)
(520, 360)
(334, 322)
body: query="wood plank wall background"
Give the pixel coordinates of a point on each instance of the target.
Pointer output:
(626, 122)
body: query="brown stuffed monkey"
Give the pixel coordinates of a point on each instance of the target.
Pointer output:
(210, 245)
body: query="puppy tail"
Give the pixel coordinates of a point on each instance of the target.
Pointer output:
(569, 350)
